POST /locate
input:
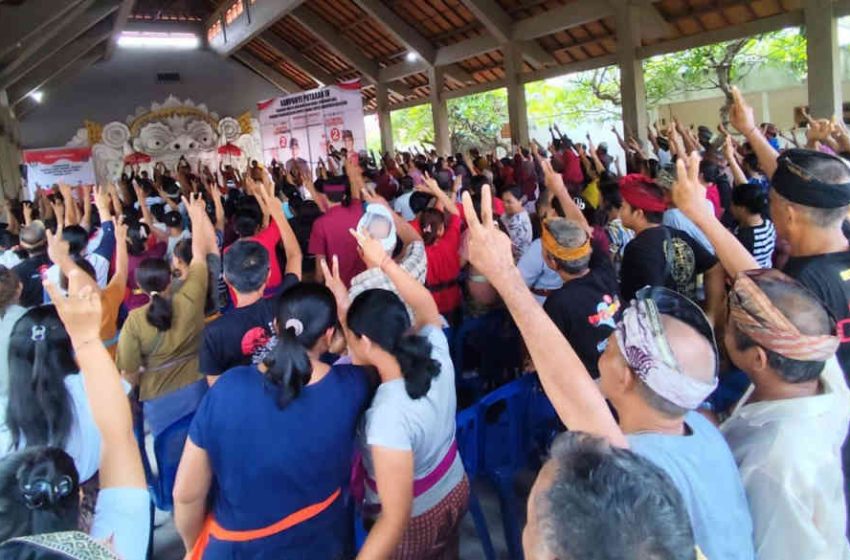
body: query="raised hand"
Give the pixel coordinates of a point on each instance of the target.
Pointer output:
(741, 114)
(371, 250)
(688, 191)
(375, 198)
(26, 209)
(80, 311)
(57, 248)
(195, 207)
(334, 282)
(489, 247)
(101, 202)
(121, 231)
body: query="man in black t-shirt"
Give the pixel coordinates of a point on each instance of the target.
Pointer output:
(586, 307)
(34, 241)
(239, 337)
(660, 255)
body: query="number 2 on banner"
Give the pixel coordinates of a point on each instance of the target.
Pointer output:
(282, 141)
(335, 134)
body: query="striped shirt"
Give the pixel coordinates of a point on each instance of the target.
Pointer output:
(760, 241)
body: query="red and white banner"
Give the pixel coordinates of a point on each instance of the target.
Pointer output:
(51, 166)
(300, 126)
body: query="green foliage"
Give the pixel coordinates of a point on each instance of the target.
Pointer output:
(594, 96)
(476, 121)
(715, 66)
(413, 127)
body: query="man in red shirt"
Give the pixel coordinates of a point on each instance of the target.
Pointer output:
(330, 235)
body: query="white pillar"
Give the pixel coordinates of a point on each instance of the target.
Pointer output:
(824, 61)
(517, 108)
(384, 122)
(632, 90)
(439, 111)
(765, 107)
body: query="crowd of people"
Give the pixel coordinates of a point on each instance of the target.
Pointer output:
(685, 319)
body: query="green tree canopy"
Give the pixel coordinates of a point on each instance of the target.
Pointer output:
(477, 120)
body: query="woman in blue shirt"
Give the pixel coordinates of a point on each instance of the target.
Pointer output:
(278, 440)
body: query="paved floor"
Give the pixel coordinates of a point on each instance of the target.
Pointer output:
(167, 545)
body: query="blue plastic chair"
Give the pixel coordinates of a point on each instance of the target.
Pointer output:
(168, 448)
(543, 421)
(468, 437)
(503, 415)
(494, 340)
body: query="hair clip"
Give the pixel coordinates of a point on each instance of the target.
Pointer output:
(296, 325)
(42, 492)
(38, 333)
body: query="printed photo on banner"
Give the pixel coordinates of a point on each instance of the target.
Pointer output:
(299, 129)
(51, 166)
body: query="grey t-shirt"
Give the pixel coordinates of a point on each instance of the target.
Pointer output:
(425, 425)
(703, 469)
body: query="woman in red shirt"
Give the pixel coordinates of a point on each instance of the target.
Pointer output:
(441, 234)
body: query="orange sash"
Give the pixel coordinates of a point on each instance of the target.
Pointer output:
(212, 528)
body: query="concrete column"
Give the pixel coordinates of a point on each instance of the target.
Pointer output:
(632, 90)
(384, 121)
(439, 111)
(517, 108)
(824, 81)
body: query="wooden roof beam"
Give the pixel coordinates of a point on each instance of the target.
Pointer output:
(500, 24)
(284, 50)
(28, 104)
(43, 73)
(254, 19)
(340, 46)
(267, 72)
(124, 11)
(571, 15)
(54, 39)
(400, 29)
(22, 24)
(748, 29)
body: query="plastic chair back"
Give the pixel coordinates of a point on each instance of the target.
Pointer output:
(503, 426)
(468, 438)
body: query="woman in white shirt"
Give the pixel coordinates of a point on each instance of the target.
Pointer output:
(39, 486)
(416, 488)
(47, 401)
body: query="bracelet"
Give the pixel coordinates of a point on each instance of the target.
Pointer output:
(384, 261)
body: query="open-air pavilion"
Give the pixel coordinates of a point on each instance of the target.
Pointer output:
(407, 52)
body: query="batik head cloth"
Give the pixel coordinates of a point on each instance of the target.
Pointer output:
(752, 313)
(640, 335)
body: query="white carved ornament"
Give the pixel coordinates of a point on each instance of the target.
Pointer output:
(166, 131)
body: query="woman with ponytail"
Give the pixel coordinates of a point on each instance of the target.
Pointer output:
(47, 400)
(277, 438)
(40, 486)
(158, 345)
(416, 489)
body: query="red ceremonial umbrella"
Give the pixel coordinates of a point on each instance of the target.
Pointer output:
(229, 150)
(136, 158)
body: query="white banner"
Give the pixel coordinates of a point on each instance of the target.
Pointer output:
(51, 166)
(297, 128)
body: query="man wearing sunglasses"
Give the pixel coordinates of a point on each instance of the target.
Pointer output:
(659, 365)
